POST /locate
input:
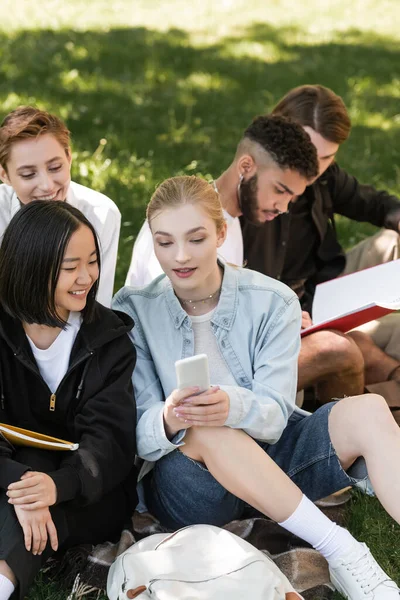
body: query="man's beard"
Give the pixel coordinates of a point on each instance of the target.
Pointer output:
(248, 204)
(247, 197)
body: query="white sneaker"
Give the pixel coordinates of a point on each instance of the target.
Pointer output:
(358, 576)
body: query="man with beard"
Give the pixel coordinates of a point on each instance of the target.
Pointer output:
(301, 247)
(274, 162)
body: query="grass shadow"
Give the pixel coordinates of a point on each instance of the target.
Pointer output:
(166, 106)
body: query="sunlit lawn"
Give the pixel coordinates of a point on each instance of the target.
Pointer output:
(153, 88)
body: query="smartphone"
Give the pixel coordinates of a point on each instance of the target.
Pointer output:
(193, 371)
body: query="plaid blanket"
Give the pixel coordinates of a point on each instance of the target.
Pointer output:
(84, 569)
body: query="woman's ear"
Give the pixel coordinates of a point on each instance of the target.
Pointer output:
(221, 235)
(3, 176)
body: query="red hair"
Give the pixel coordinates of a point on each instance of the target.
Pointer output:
(28, 122)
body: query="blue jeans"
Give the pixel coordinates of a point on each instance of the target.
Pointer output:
(181, 491)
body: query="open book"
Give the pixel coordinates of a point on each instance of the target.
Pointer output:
(24, 437)
(352, 300)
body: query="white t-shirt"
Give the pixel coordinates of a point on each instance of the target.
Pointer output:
(53, 362)
(102, 213)
(206, 343)
(145, 267)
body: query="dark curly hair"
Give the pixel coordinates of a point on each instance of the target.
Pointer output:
(286, 142)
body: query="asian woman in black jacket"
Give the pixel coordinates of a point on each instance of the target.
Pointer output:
(65, 370)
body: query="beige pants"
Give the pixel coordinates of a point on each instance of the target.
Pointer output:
(375, 250)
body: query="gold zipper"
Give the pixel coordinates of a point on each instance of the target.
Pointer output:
(52, 406)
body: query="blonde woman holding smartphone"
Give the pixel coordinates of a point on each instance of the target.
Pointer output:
(243, 445)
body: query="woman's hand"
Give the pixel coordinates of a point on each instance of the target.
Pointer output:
(172, 422)
(305, 319)
(34, 490)
(209, 409)
(38, 527)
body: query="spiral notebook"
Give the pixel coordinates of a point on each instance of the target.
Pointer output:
(23, 437)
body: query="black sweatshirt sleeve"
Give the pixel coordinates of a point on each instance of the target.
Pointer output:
(10, 471)
(362, 202)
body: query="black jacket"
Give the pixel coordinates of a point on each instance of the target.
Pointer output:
(94, 406)
(337, 192)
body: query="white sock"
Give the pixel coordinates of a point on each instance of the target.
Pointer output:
(6, 587)
(311, 525)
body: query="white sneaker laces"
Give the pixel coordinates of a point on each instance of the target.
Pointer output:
(366, 571)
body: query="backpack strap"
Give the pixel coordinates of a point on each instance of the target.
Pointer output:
(134, 593)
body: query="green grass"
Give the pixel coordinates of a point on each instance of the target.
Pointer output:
(151, 88)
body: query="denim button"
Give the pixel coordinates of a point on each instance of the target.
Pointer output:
(177, 320)
(225, 321)
(187, 341)
(223, 343)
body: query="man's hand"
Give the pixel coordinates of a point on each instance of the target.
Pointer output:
(305, 320)
(34, 490)
(38, 527)
(209, 409)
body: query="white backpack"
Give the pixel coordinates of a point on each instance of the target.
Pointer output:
(196, 563)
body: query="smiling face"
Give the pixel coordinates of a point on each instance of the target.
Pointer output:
(79, 271)
(268, 193)
(326, 150)
(38, 169)
(186, 242)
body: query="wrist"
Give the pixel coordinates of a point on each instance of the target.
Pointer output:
(53, 492)
(170, 432)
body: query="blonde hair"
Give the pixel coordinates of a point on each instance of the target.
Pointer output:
(178, 191)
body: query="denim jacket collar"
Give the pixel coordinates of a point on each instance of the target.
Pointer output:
(224, 314)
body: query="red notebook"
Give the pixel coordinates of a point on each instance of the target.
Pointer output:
(352, 300)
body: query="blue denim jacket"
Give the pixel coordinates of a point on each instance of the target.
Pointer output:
(257, 327)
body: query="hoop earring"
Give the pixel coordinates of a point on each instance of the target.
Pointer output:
(241, 177)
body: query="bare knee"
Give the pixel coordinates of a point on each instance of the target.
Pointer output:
(335, 349)
(341, 349)
(200, 440)
(366, 345)
(370, 406)
(362, 339)
(361, 416)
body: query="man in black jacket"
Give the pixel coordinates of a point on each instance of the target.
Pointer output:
(301, 247)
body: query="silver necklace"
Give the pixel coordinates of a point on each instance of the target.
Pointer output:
(193, 303)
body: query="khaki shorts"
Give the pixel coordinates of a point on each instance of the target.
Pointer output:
(375, 250)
